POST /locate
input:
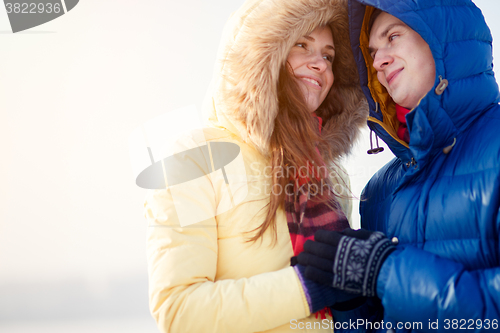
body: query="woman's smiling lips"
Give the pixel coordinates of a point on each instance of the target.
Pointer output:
(312, 82)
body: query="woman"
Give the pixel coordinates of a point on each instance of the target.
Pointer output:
(273, 91)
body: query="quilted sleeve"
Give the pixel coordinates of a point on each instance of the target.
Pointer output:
(418, 286)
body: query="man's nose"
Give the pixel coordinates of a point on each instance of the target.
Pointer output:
(382, 60)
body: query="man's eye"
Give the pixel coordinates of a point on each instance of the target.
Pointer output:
(392, 37)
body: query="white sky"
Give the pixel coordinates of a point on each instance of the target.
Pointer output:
(71, 92)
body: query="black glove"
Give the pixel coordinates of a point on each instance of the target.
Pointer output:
(318, 295)
(349, 260)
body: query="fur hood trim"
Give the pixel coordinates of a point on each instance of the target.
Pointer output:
(255, 45)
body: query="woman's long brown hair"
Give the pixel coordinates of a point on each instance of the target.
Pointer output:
(294, 141)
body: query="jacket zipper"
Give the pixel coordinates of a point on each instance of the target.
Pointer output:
(412, 162)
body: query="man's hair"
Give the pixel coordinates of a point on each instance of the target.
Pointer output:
(374, 16)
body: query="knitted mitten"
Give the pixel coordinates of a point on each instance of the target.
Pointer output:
(350, 260)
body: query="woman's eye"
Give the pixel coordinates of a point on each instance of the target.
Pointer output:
(304, 45)
(328, 58)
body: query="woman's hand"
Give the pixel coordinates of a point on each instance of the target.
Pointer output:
(320, 296)
(349, 260)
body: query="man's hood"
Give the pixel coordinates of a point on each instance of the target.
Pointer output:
(461, 45)
(256, 41)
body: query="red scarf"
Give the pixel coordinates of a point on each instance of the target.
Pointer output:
(306, 216)
(403, 133)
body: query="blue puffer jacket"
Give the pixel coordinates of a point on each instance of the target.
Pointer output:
(443, 208)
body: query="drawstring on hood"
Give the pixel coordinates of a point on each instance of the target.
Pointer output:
(447, 150)
(378, 149)
(443, 83)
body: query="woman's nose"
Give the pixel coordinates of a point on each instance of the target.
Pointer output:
(317, 63)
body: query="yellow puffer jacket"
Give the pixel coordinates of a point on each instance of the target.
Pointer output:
(204, 274)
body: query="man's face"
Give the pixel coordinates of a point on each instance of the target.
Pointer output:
(403, 60)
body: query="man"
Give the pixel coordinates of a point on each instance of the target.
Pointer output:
(434, 263)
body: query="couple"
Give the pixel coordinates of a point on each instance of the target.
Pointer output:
(290, 91)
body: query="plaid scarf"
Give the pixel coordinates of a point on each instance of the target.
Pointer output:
(306, 214)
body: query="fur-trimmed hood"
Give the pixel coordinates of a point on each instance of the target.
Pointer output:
(255, 44)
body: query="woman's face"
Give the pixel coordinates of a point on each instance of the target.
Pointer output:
(311, 59)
